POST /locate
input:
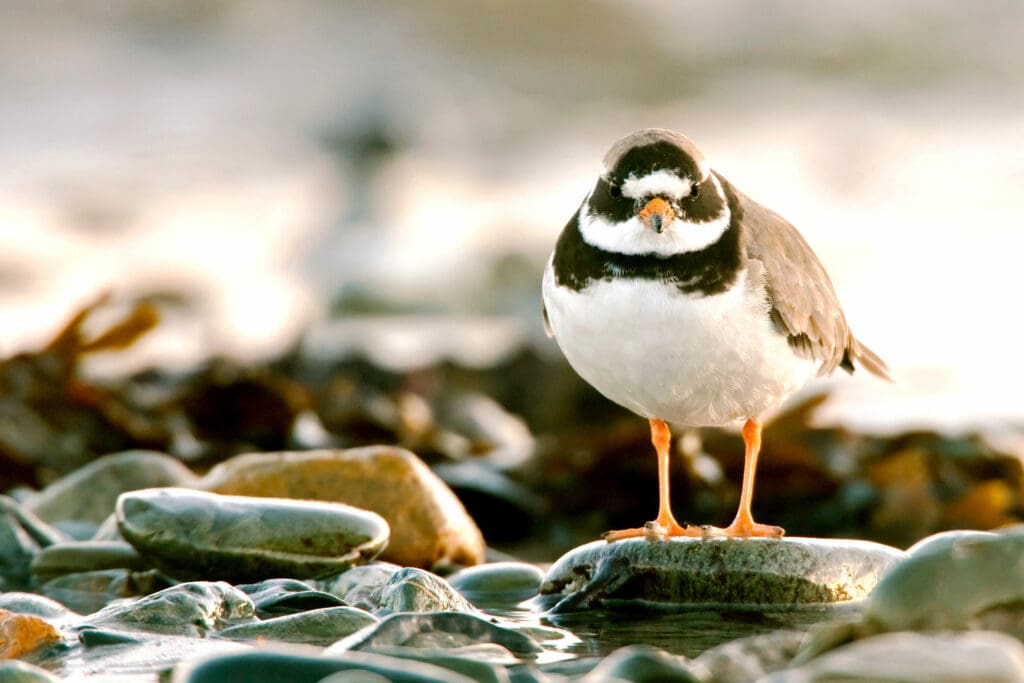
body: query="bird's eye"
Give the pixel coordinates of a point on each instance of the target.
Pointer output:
(694, 191)
(615, 191)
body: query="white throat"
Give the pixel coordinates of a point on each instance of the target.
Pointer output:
(633, 237)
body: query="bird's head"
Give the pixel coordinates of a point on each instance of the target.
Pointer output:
(655, 195)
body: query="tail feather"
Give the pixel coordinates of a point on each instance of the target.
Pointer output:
(868, 359)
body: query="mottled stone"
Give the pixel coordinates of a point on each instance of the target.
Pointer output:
(429, 526)
(718, 571)
(278, 597)
(191, 534)
(87, 592)
(315, 627)
(15, 671)
(90, 492)
(498, 583)
(23, 633)
(273, 667)
(194, 608)
(85, 556)
(438, 630)
(641, 663)
(976, 571)
(747, 659)
(907, 657)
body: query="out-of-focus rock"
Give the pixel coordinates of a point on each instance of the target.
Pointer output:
(429, 526)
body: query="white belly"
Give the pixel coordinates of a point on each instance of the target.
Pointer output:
(697, 361)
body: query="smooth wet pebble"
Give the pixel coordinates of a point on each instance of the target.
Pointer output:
(273, 667)
(195, 608)
(87, 592)
(978, 571)
(745, 659)
(316, 627)
(194, 534)
(906, 657)
(751, 571)
(278, 597)
(497, 583)
(83, 556)
(639, 664)
(414, 590)
(22, 536)
(355, 585)
(429, 526)
(438, 631)
(90, 492)
(16, 671)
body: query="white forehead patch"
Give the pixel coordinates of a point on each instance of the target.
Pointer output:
(663, 182)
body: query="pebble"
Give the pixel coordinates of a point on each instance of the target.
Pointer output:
(498, 583)
(355, 585)
(16, 671)
(436, 631)
(90, 492)
(416, 590)
(273, 667)
(22, 536)
(746, 659)
(315, 627)
(277, 597)
(194, 534)
(87, 592)
(909, 657)
(30, 603)
(717, 571)
(24, 633)
(195, 608)
(429, 526)
(83, 556)
(977, 572)
(641, 663)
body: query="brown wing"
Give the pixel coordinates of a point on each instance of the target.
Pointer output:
(804, 304)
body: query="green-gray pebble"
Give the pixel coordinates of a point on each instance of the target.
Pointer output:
(84, 556)
(196, 608)
(497, 583)
(315, 627)
(194, 534)
(90, 492)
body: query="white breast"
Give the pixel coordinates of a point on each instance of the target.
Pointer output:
(692, 360)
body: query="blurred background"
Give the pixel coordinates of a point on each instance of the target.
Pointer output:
(279, 170)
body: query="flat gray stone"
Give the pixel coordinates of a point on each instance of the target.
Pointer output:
(315, 627)
(193, 534)
(717, 571)
(84, 556)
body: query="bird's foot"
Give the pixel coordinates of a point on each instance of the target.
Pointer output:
(656, 531)
(746, 529)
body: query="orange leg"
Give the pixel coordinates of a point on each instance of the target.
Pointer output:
(744, 526)
(665, 525)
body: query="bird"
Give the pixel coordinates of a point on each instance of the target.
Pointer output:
(681, 299)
